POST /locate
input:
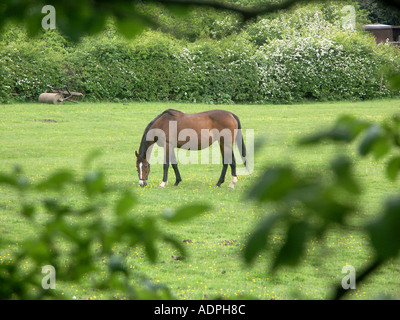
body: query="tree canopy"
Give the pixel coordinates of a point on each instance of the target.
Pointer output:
(76, 18)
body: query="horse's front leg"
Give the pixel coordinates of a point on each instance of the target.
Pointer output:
(164, 182)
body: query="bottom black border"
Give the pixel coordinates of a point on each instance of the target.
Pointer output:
(199, 309)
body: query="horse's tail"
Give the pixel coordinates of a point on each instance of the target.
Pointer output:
(240, 142)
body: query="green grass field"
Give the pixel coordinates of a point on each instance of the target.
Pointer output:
(42, 138)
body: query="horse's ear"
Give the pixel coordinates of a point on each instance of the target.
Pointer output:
(136, 154)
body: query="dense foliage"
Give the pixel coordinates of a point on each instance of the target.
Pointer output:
(207, 56)
(381, 13)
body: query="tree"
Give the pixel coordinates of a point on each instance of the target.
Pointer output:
(380, 12)
(76, 18)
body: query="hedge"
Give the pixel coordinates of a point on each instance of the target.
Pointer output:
(236, 69)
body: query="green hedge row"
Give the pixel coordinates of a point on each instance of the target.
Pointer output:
(157, 67)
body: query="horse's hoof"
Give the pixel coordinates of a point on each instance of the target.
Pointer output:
(233, 182)
(163, 184)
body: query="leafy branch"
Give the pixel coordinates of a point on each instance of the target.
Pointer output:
(79, 17)
(310, 206)
(83, 234)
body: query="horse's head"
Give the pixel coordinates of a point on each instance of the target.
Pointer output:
(143, 169)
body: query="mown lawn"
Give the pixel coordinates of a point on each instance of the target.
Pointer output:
(41, 138)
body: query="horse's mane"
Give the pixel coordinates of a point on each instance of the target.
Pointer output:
(143, 142)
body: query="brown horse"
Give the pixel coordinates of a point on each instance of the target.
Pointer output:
(194, 131)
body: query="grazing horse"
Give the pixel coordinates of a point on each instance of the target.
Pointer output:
(195, 131)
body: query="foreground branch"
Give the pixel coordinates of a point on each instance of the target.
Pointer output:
(340, 292)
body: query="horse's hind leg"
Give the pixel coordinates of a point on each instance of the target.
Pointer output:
(233, 172)
(177, 174)
(176, 170)
(222, 177)
(224, 167)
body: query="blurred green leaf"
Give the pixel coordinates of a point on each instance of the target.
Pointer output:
(60, 227)
(394, 80)
(28, 210)
(116, 264)
(342, 168)
(125, 204)
(56, 181)
(370, 138)
(179, 10)
(346, 129)
(8, 179)
(150, 250)
(15, 179)
(153, 291)
(186, 212)
(33, 21)
(148, 236)
(393, 168)
(385, 231)
(174, 242)
(131, 26)
(38, 250)
(274, 184)
(94, 183)
(374, 142)
(293, 249)
(53, 206)
(353, 125)
(258, 238)
(94, 154)
(315, 138)
(331, 210)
